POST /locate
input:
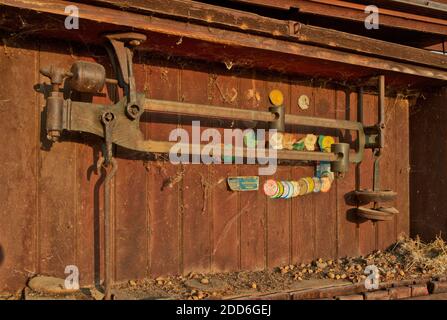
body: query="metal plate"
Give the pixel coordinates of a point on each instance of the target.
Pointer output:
(368, 196)
(375, 214)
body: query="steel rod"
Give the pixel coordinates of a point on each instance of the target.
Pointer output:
(193, 109)
(382, 109)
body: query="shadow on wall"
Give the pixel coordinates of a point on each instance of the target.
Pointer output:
(428, 159)
(2, 255)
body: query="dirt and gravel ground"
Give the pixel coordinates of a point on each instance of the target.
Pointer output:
(407, 259)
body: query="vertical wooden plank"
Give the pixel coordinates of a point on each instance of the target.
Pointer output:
(303, 210)
(196, 186)
(402, 160)
(278, 210)
(224, 91)
(131, 207)
(89, 211)
(252, 204)
(386, 229)
(325, 203)
(225, 251)
(57, 187)
(18, 166)
(164, 178)
(428, 187)
(367, 229)
(347, 232)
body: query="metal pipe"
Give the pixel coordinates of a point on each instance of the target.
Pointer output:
(382, 109)
(207, 110)
(108, 231)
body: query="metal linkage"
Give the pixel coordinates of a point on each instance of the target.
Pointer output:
(375, 139)
(78, 116)
(105, 162)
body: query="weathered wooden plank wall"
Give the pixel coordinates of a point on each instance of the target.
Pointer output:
(51, 198)
(428, 170)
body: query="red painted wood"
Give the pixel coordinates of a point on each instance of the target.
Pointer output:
(387, 229)
(196, 213)
(181, 228)
(223, 90)
(252, 205)
(367, 229)
(163, 194)
(19, 122)
(303, 208)
(325, 203)
(57, 188)
(279, 210)
(347, 228)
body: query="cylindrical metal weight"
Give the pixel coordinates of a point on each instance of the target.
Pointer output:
(341, 165)
(279, 122)
(87, 77)
(55, 106)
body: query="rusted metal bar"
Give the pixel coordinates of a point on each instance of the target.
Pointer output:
(207, 110)
(382, 110)
(108, 228)
(251, 115)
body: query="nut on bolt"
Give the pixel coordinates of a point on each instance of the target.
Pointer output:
(107, 117)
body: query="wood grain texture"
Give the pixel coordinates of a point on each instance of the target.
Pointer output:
(278, 210)
(303, 208)
(367, 229)
(57, 187)
(253, 210)
(347, 227)
(196, 213)
(195, 224)
(223, 90)
(325, 203)
(163, 178)
(386, 230)
(19, 214)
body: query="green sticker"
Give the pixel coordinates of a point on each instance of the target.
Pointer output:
(243, 183)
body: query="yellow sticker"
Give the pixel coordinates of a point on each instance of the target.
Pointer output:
(327, 142)
(276, 98)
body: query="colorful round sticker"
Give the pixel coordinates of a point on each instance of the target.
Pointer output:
(280, 191)
(276, 98)
(325, 184)
(311, 184)
(303, 186)
(309, 142)
(296, 189)
(317, 184)
(286, 190)
(291, 189)
(325, 143)
(270, 188)
(276, 141)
